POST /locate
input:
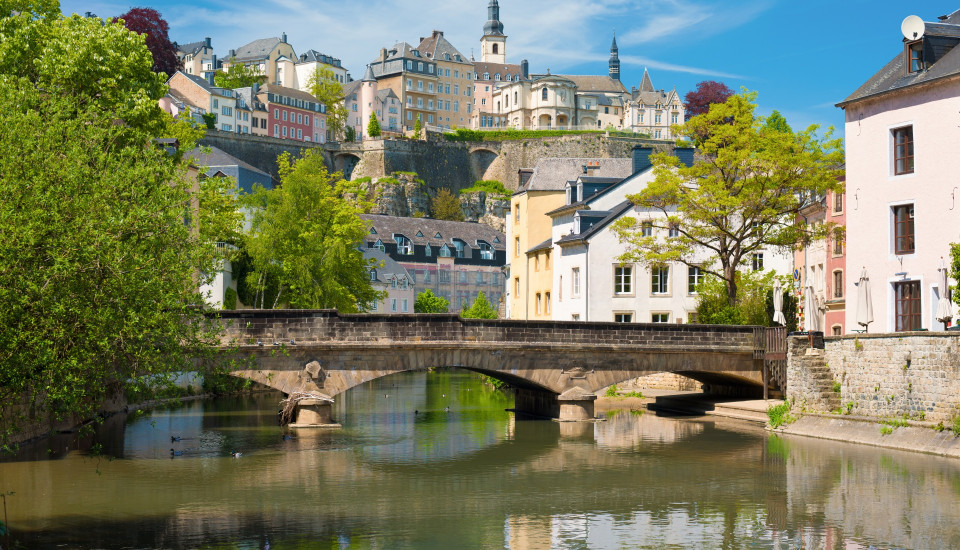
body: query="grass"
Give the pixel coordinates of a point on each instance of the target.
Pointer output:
(886, 430)
(614, 391)
(780, 415)
(955, 428)
(836, 387)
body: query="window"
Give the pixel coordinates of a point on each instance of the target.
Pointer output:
(758, 261)
(836, 330)
(620, 318)
(646, 229)
(659, 317)
(373, 274)
(444, 276)
(393, 305)
(623, 279)
(517, 242)
(903, 150)
(575, 317)
(539, 303)
(486, 251)
(838, 284)
(428, 250)
(674, 230)
(284, 116)
(575, 281)
(837, 246)
(692, 317)
(907, 295)
(915, 56)
(479, 277)
(516, 213)
(404, 246)
(838, 203)
(216, 103)
(444, 251)
(694, 278)
(543, 95)
(903, 229)
(227, 111)
(516, 286)
(404, 309)
(660, 280)
(536, 262)
(546, 303)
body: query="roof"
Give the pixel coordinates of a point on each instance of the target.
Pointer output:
(653, 97)
(384, 95)
(287, 92)
(313, 56)
(596, 83)
(424, 231)
(199, 81)
(545, 245)
(646, 85)
(390, 267)
(893, 75)
(503, 69)
(216, 160)
(584, 236)
(191, 48)
(351, 88)
(258, 49)
(438, 48)
(552, 174)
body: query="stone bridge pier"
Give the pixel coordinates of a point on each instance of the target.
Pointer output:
(555, 367)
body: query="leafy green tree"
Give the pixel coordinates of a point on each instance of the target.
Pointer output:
(324, 86)
(418, 128)
(754, 301)
(428, 302)
(373, 127)
(349, 134)
(98, 271)
(238, 75)
(776, 122)
(446, 206)
(742, 194)
(305, 237)
(481, 309)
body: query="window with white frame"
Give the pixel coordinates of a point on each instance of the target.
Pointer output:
(622, 317)
(623, 279)
(694, 278)
(660, 279)
(659, 317)
(575, 281)
(757, 261)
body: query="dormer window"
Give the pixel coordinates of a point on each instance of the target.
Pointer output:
(576, 224)
(404, 246)
(380, 246)
(459, 245)
(571, 193)
(486, 251)
(915, 56)
(444, 251)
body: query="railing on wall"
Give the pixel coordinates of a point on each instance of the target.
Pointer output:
(770, 346)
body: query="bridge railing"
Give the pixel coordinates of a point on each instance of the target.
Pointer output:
(770, 346)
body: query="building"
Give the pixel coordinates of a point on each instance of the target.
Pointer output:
(363, 97)
(263, 55)
(454, 81)
(529, 231)
(197, 58)
(836, 273)
(293, 114)
(653, 112)
(413, 79)
(455, 260)
(195, 94)
(493, 71)
(901, 167)
(392, 278)
(258, 111)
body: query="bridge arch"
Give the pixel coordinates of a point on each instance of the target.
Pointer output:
(481, 160)
(345, 162)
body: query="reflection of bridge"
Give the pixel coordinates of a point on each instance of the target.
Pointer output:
(555, 366)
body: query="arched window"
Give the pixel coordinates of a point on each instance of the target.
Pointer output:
(496, 48)
(543, 94)
(486, 76)
(496, 77)
(508, 77)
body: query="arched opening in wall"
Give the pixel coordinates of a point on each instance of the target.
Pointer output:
(720, 385)
(588, 122)
(496, 48)
(562, 122)
(545, 122)
(345, 163)
(480, 161)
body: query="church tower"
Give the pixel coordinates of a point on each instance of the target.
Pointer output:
(614, 59)
(493, 45)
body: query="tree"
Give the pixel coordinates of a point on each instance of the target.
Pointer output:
(428, 302)
(743, 193)
(305, 237)
(417, 128)
(98, 271)
(238, 75)
(776, 122)
(708, 92)
(373, 127)
(324, 86)
(481, 309)
(445, 206)
(149, 22)
(754, 301)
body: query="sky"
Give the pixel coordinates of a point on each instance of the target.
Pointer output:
(801, 57)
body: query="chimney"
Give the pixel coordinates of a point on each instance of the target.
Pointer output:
(233, 53)
(208, 42)
(209, 76)
(421, 39)
(685, 154)
(383, 55)
(254, 90)
(283, 38)
(525, 69)
(591, 168)
(641, 158)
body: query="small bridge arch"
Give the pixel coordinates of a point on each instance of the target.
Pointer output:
(482, 158)
(346, 162)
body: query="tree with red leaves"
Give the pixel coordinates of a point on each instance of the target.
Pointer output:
(149, 22)
(698, 101)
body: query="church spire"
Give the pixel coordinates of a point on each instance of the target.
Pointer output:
(493, 25)
(614, 58)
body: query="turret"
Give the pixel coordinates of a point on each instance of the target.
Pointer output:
(493, 45)
(614, 59)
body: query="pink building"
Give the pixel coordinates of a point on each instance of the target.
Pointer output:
(836, 269)
(902, 206)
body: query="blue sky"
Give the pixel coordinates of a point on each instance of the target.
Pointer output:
(802, 57)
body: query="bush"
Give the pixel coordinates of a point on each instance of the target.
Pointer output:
(780, 415)
(230, 298)
(467, 135)
(491, 187)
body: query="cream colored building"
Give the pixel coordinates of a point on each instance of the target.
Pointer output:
(262, 55)
(197, 58)
(652, 111)
(530, 256)
(492, 72)
(454, 81)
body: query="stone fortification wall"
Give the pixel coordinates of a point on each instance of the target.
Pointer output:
(881, 375)
(259, 151)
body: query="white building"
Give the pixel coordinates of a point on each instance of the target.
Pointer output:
(392, 278)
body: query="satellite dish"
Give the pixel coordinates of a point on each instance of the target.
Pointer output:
(912, 27)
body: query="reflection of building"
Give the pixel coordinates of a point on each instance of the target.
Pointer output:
(455, 260)
(529, 231)
(901, 166)
(393, 279)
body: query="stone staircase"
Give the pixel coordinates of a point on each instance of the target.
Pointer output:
(823, 378)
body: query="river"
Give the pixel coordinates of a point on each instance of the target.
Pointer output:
(404, 472)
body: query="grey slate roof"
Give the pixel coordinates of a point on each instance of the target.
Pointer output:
(545, 245)
(438, 48)
(384, 95)
(192, 47)
(493, 69)
(468, 232)
(646, 85)
(893, 75)
(217, 160)
(552, 174)
(313, 56)
(390, 267)
(610, 216)
(596, 83)
(258, 49)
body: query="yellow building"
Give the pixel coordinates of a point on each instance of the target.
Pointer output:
(530, 255)
(454, 81)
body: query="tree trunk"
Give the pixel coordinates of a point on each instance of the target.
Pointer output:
(730, 274)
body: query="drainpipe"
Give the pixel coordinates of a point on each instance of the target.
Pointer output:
(586, 280)
(526, 293)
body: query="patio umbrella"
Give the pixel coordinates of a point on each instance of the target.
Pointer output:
(778, 317)
(944, 308)
(864, 301)
(811, 312)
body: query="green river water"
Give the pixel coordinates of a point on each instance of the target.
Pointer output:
(470, 477)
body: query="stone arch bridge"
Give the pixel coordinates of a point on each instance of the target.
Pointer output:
(555, 366)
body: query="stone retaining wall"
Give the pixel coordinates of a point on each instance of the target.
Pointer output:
(881, 375)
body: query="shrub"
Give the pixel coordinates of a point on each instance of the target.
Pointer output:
(836, 387)
(780, 415)
(230, 298)
(612, 391)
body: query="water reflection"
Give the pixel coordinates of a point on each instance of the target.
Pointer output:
(432, 460)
